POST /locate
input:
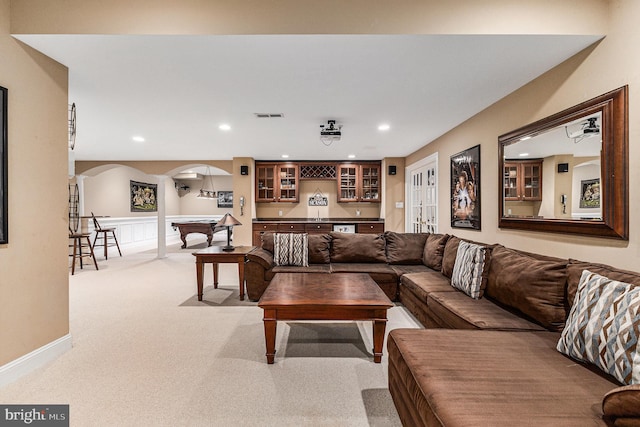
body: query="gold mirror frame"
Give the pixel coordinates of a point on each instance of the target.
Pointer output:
(614, 167)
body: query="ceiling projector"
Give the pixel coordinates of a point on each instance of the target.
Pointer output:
(588, 128)
(330, 132)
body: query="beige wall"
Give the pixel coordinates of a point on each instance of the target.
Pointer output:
(394, 192)
(33, 265)
(597, 70)
(191, 205)
(243, 187)
(107, 193)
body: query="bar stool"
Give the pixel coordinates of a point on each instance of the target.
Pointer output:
(104, 236)
(78, 244)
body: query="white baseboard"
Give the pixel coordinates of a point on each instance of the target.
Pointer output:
(34, 360)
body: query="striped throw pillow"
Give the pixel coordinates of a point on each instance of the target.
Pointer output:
(291, 249)
(603, 327)
(467, 269)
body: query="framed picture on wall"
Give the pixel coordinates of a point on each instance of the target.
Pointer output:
(590, 193)
(143, 196)
(225, 199)
(4, 136)
(465, 189)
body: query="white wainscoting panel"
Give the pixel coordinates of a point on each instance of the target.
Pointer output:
(141, 233)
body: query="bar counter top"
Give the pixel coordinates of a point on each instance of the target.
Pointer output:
(355, 220)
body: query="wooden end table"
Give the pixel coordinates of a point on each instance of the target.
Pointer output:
(324, 296)
(215, 255)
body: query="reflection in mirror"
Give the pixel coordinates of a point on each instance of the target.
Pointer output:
(568, 173)
(555, 174)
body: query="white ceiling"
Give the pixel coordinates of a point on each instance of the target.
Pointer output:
(176, 90)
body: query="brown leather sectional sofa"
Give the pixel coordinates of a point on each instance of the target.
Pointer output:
(478, 362)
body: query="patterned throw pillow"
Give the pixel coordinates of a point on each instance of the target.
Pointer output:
(603, 327)
(291, 249)
(467, 270)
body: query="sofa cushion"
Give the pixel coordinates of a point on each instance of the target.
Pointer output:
(407, 269)
(266, 240)
(319, 248)
(263, 257)
(468, 269)
(603, 327)
(380, 273)
(311, 268)
(352, 247)
(575, 269)
(291, 249)
(405, 248)
(422, 284)
(457, 311)
(533, 285)
(449, 255)
(434, 250)
(491, 378)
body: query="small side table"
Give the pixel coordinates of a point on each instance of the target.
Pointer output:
(215, 255)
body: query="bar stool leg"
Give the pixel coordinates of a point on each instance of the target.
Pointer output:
(116, 240)
(93, 256)
(73, 259)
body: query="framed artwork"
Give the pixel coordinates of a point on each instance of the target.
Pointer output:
(225, 199)
(143, 196)
(590, 193)
(4, 199)
(465, 189)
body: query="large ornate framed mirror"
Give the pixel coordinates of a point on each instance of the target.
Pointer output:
(569, 172)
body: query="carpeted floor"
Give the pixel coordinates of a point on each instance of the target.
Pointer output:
(147, 353)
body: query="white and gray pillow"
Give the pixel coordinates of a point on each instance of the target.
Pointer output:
(603, 327)
(468, 268)
(291, 249)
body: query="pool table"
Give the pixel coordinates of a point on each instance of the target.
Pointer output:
(205, 227)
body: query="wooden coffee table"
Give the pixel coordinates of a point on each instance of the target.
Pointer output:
(324, 296)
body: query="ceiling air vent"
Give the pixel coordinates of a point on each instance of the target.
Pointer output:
(269, 115)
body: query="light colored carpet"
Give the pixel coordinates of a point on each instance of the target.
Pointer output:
(147, 353)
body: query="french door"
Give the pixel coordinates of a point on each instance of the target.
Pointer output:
(422, 196)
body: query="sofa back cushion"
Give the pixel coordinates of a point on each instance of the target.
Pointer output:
(449, 255)
(532, 284)
(267, 241)
(450, 252)
(319, 248)
(434, 251)
(352, 247)
(405, 248)
(575, 269)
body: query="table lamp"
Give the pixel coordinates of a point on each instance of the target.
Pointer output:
(228, 221)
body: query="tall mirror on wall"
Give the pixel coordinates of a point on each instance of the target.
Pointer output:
(569, 173)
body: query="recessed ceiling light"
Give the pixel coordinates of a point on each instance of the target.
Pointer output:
(384, 127)
(138, 139)
(524, 154)
(351, 156)
(285, 156)
(224, 126)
